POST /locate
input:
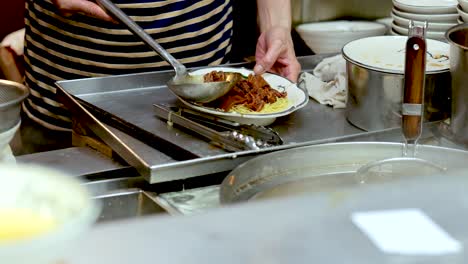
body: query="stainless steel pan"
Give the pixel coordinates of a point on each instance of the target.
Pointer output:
(325, 167)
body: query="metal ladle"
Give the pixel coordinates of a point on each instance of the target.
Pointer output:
(183, 84)
(412, 114)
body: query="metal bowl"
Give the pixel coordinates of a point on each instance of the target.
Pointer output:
(12, 95)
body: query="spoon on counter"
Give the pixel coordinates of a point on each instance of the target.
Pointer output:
(188, 86)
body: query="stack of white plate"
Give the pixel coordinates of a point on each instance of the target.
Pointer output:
(462, 10)
(439, 14)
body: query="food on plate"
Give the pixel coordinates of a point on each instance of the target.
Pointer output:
(250, 95)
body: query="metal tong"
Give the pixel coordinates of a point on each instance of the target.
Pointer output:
(224, 133)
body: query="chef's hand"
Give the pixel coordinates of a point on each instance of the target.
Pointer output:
(275, 53)
(86, 7)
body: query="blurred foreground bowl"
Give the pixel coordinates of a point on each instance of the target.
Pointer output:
(42, 212)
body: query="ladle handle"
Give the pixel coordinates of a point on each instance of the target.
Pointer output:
(117, 13)
(415, 74)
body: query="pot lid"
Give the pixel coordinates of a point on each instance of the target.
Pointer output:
(387, 54)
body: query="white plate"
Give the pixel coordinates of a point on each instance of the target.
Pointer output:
(438, 35)
(393, 33)
(463, 5)
(389, 57)
(463, 14)
(297, 97)
(427, 6)
(441, 18)
(433, 26)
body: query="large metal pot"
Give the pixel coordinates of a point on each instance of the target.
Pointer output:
(458, 39)
(324, 168)
(375, 91)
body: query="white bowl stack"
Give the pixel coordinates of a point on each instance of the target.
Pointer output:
(439, 14)
(462, 9)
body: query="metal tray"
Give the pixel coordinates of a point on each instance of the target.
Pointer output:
(125, 102)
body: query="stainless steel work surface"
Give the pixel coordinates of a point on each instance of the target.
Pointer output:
(78, 162)
(307, 229)
(163, 153)
(130, 98)
(126, 102)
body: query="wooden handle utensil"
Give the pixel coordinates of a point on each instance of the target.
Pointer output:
(415, 73)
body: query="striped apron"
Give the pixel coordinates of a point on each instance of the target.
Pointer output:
(57, 48)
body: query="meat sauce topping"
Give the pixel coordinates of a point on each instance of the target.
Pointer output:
(253, 92)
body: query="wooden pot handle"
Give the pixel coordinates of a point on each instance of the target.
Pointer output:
(413, 95)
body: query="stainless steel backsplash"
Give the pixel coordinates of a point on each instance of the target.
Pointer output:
(320, 10)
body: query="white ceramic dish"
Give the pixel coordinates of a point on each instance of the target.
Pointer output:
(463, 5)
(330, 37)
(463, 14)
(426, 6)
(49, 193)
(393, 33)
(440, 18)
(438, 35)
(297, 97)
(390, 55)
(433, 26)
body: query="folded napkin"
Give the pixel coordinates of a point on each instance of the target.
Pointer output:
(327, 84)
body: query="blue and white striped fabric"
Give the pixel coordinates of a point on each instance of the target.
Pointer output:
(62, 48)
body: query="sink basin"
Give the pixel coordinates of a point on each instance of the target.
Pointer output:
(126, 198)
(123, 204)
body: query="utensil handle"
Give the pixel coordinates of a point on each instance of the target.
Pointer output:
(117, 13)
(415, 73)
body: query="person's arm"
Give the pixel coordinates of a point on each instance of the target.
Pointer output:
(275, 49)
(68, 7)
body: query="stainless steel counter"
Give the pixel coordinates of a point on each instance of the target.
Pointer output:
(162, 153)
(191, 200)
(314, 228)
(298, 230)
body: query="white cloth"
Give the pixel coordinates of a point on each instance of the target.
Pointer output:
(6, 155)
(327, 85)
(15, 41)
